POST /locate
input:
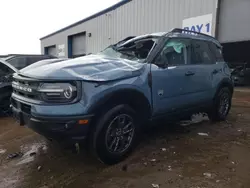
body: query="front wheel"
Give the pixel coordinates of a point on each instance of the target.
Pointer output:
(221, 106)
(115, 134)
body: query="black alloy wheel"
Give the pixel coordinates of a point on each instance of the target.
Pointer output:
(119, 134)
(221, 106)
(115, 135)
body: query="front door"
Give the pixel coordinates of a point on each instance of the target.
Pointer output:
(172, 80)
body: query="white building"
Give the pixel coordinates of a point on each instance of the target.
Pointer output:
(227, 20)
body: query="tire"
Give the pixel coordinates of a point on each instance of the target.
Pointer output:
(107, 134)
(218, 113)
(5, 110)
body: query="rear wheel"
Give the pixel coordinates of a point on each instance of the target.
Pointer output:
(221, 106)
(115, 135)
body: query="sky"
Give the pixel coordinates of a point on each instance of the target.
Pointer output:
(24, 22)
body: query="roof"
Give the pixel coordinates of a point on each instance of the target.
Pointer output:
(115, 6)
(199, 37)
(152, 35)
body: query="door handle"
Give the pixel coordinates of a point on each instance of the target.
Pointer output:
(215, 71)
(189, 73)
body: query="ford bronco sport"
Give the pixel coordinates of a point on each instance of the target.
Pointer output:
(108, 97)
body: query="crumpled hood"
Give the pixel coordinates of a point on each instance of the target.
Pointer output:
(90, 68)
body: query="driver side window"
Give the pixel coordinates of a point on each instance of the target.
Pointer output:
(174, 52)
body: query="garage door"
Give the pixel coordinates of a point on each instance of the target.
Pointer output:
(79, 45)
(51, 50)
(234, 21)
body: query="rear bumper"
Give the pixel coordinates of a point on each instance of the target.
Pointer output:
(62, 129)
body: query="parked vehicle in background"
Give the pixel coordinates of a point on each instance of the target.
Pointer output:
(43, 62)
(21, 61)
(107, 98)
(6, 73)
(241, 75)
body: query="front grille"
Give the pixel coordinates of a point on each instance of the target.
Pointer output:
(25, 88)
(25, 108)
(21, 106)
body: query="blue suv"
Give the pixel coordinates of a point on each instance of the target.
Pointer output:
(107, 98)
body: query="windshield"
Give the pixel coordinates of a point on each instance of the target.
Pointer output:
(135, 50)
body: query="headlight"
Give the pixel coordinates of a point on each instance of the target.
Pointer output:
(58, 92)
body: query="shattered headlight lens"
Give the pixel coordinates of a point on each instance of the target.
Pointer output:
(58, 92)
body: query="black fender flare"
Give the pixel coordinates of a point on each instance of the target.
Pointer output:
(226, 82)
(131, 94)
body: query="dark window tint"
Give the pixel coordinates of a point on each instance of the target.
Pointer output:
(201, 53)
(18, 62)
(174, 52)
(33, 59)
(5, 70)
(217, 51)
(24, 61)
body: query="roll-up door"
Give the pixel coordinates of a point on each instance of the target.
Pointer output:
(79, 45)
(234, 21)
(51, 50)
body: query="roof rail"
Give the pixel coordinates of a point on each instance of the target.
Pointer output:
(179, 30)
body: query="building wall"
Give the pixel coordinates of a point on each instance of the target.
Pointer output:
(134, 18)
(234, 22)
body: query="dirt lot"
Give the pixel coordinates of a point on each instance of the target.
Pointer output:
(166, 157)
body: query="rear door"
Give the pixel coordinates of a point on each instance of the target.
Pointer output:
(203, 64)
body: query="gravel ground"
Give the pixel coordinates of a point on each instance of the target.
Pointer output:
(193, 155)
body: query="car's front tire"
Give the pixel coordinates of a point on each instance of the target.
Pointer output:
(221, 105)
(115, 134)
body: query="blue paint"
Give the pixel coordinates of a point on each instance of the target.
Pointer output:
(208, 27)
(46, 50)
(193, 28)
(70, 53)
(199, 28)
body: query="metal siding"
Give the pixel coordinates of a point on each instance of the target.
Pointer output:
(234, 21)
(134, 18)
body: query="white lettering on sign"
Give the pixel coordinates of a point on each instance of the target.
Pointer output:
(61, 50)
(201, 24)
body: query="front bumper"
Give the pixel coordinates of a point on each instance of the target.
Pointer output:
(60, 128)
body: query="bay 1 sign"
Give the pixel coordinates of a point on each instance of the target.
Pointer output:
(202, 24)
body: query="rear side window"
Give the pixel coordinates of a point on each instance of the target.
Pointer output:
(217, 51)
(201, 53)
(34, 59)
(18, 62)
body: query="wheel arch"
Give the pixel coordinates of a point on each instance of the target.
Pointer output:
(225, 83)
(132, 97)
